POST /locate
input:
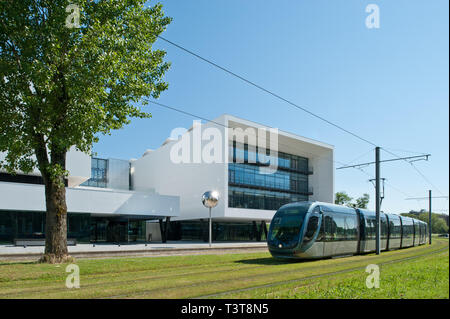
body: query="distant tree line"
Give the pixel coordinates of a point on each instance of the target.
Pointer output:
(438, 224)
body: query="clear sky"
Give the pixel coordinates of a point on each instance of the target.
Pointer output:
(389, 85)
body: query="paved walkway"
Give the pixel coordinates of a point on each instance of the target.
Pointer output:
(141, 249)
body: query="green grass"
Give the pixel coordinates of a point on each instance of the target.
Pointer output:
(426, 277)
(255, 275)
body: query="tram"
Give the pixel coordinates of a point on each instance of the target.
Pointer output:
(314, 230)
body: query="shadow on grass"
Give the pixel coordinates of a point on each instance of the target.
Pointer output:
(12, 263)
(271, 261)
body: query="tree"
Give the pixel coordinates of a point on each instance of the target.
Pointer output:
(342, 198)
(362, 201)
(67, 74)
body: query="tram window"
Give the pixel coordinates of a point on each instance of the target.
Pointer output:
(313, 223)
(397, 230)
(340, 227)
(370, 228)
(330, 228)
(384, 229)
(321, 236)
(351, 231)
(391, 229)
(394, 230)
(408, 230)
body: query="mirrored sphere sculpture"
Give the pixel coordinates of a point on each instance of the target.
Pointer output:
(210, 199)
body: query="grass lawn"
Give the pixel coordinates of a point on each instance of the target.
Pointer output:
(419, 272)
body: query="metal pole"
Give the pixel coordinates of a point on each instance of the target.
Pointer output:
(377, 197)
(429, 213)
(210, 228)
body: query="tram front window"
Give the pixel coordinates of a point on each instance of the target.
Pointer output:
(286, 225)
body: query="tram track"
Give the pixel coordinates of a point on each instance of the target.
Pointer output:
(316, 276)
(228, 267)
(217, 282)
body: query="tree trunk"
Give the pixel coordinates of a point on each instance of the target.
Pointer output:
(56, 222)
(56, 208)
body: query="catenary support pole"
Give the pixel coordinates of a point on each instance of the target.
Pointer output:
(377, 198)
(429, 213)
(210, 228)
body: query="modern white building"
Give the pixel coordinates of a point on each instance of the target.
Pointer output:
(100, 205)
(255, 168)
(227, 155)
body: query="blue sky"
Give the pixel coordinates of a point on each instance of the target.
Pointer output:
(389, 85)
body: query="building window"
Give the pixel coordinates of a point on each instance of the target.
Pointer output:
(249, 188)
(99, 173)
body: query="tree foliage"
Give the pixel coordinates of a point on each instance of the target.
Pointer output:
(341, 198)
(67, 73)
(362, 201)
(61, 86)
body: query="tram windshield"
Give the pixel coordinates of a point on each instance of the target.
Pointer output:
(286, 225)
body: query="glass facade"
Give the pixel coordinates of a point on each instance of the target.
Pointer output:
(21, 225)
(242, 197)
(99, 173)
(249, 188)
(221, 231)
(84, 228)
(79, 227)
(248, 175)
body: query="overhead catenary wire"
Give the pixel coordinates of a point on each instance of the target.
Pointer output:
(426, 198)
(358, 157)
(403, 151)
(416, 169)
(264, 89)
(286, 100)
(426, 179)
(304, 109)
(324, 159)
(225, 126)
